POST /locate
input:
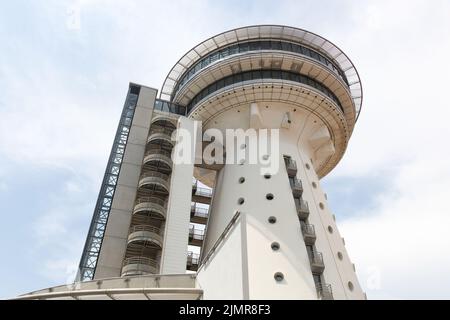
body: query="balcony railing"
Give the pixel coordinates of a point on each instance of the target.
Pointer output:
(196, 236)
(202, 192)
(309, 234)
(145, 233)
(193, 260)
(291, 167)
(150, 205)
(167, 131)
(164, 134)
(165, 117)
(199, 212)
(158, 155)
(138, 266)
(316, 260)
(302, 209)
(324, 291)
(158, 201)
(296, 186)
(158, 151)
(154, 177)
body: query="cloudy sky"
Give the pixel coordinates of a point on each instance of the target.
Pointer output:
(64, 71)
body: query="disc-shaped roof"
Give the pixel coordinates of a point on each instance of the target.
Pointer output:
(249, 33)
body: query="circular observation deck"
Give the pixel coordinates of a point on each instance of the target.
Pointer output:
(259, 38)
(270, 63)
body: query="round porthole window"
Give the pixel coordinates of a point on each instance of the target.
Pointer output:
(241, 201)
(272, 219)
(340, 255)
(330, 229)
(275, 246)
(350, 286)
(241, 180)
(321, 206)
(269, 196)
(278, 276)
(267, 176)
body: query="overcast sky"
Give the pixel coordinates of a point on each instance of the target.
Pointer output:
(64, 73)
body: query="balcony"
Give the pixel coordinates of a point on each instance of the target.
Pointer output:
(196, 236)
(316, 260)
(164, 120)
(159, 158)
(151, 206)
(155, 181)
(198, 214)
(302, 209)
(309, 234)
(291, 167)
(192, 261)
(201, 195)
(324, 291)
(135, 266)
(296, 186)
(161, 137)
(150, 235)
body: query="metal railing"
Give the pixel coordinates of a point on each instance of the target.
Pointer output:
(146, 228)
(154, 174)
(308, 229)
(160, 133)
(199, 191)
(193, 258)
(315, 257)
(301, 205)
(140, 260)
(154, 200)
(158, 151)
(296, 184)
(324, 291)
(196, 234)
(165, 117)
(167, 131)
(199, 212)
(290, 164)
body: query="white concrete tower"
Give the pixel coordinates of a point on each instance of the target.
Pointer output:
(285, 243)
(251, 233)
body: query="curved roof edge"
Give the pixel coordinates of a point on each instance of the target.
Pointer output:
(267, 31)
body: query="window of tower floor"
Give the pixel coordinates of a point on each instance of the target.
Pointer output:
(257, 46)
(166, 106)
(259, 75)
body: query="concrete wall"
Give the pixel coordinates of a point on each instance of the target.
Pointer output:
(292, 259)
(224, 275)
(178, 213)
(113, 248)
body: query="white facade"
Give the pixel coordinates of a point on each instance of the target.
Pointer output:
(249, 235)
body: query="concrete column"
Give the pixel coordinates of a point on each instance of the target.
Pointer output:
(178, 213)
(115, 240)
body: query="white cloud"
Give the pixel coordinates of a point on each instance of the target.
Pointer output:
(406, 236)
(402, 50)
(62, 91)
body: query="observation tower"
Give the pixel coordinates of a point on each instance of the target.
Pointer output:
(196, 230)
